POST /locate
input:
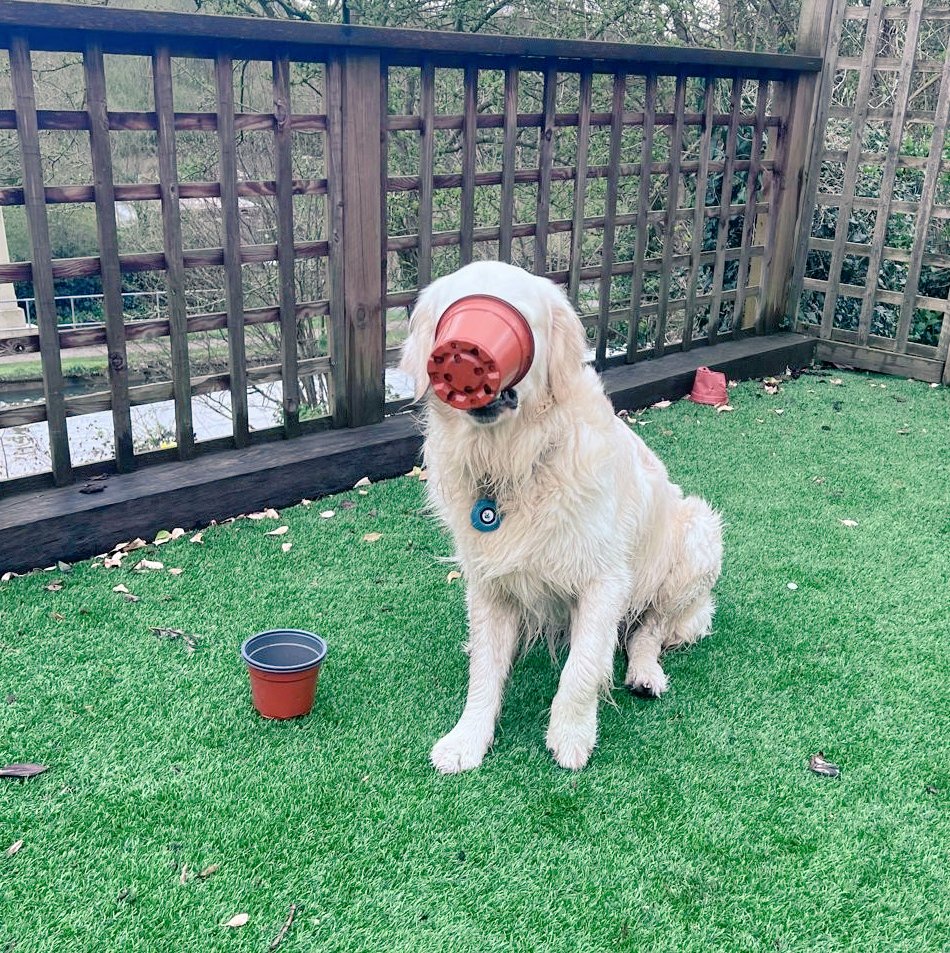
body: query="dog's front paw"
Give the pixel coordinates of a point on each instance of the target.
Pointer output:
(646, 679)
(571, 742)
(460, 750)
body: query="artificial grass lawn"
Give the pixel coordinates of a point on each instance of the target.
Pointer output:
(696, 825)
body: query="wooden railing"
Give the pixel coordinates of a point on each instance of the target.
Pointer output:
(662, 186)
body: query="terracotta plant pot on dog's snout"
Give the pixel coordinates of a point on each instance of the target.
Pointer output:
(483, 345)
(284, 665)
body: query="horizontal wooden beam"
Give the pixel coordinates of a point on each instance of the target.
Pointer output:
(884, 362)
(60, 26)
(41, 526)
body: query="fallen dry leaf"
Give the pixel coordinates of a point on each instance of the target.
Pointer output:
(778, 410)
(137, 543)
(837, 381)
(278, 532)
(197, 538)
(452, 576)
(54, 587)
(271, 514)
(114, 562)
(724, 408)
(771, 389)
(347, 505)
(176, 571)
(365, 481)
(119, 588)
(904, 431)
(238, 920)
(372, 537)
(162, 537)
(7, 576)
(732, 384)
(177, 532)
(27, 769)
(145, 565)
(257, 516)
(129, 597)
(414, 472)
(819, 765)
(14, 848)
(183, 879)
(328, 514)
(793, 586)
(818, 479)
(363, 492)
(58, 616)
(662, 404)
(63, 567)
(423, 476)
(208, 871)
(848, 522)
(286, 547)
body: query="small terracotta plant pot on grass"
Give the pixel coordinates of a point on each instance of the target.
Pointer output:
(483, 346)
(284, 665)
(709, 387)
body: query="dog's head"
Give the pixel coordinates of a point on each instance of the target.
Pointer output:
(559, 340)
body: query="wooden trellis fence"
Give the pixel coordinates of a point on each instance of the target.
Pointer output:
(661, 186)
(872, 277)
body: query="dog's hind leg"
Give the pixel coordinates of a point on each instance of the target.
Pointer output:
(645, 675)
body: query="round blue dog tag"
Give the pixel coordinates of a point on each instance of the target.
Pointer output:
(485, 516)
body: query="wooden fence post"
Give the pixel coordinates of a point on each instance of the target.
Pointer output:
(795, 177)
(363, 321)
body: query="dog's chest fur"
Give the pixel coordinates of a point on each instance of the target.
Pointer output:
(554, 537)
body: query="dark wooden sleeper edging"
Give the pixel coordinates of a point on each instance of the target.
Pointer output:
(38, 528)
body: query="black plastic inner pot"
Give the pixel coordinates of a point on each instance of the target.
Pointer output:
(284, 650)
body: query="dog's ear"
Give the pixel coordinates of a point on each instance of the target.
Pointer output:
(418, 345)
(566, 346)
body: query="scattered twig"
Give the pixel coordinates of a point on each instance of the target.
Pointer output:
(283, 930)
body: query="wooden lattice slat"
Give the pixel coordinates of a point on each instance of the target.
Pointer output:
(646, 165)
(426, 159)
(283, 163)
(509, 151)
(669, 230)
(580, 184)
(607, 255)
(469, 146)
(699, 219)
(233, 279)
(109, 265)
(172, 242)
(546, 161)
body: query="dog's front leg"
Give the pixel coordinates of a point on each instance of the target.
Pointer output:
(572, 732)
(493, 637)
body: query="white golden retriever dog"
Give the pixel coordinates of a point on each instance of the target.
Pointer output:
(595, 540)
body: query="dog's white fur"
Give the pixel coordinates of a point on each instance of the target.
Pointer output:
(594, 538)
